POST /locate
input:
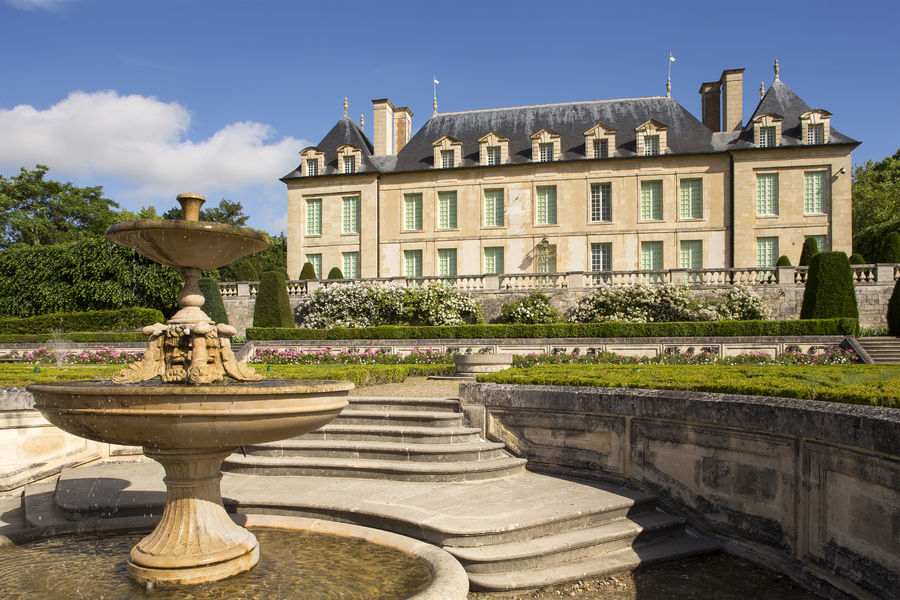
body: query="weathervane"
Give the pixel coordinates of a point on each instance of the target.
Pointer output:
(436, 82)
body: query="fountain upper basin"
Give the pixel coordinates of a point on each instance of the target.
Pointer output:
(160, 415)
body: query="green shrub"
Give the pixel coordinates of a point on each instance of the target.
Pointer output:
(245, 271)
(893, 311)
(829, 291)
(810, 249)
(335, 273)
(783, 261)
(567, 330)
(213, 305)
(308, 271)
(97, 320)
(74, 336)
(273, 308)
(533, 308)
(890, 251)
(857, 259)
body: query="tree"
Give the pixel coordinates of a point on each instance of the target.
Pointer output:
(783, 261)
(228, 212)
(308, 271)
(857, 259)
(876, 192)
(829, 291)
(244, 271)
(890, 250)
(273, 308)
(893, 311)
(38, 211)
(810, 249)
(335, 273)
(213, 305)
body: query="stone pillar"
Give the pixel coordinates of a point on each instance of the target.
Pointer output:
(785, 275)
(679, 276)
(491, 282)
(576, 281)
(884, 274)
(243, 289)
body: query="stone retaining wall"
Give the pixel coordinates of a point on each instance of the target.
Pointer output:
(808, 488)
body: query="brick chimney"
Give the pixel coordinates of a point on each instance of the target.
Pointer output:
(710, 99)
(402, 127)
(732, 99)
(383, 127)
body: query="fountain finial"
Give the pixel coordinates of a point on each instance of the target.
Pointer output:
(190, 205)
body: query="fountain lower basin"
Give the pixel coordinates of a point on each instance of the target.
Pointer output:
(190, 430)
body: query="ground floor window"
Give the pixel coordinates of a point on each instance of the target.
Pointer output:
(351, 265)
(412, 263)
(447, 261)
(493, 260)
(766, 251)
(316, 261)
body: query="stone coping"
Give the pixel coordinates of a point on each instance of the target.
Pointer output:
(873, 427)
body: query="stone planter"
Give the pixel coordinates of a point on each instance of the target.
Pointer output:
(473, 364)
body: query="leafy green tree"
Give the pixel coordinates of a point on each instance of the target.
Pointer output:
(876, 192)
(890, 250)
(810, 249)
(829, 291)
(228, 212)
(39, 211)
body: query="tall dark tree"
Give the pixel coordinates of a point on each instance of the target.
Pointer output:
(39, 211)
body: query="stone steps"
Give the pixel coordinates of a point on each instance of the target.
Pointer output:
(883, 350)
(460, 452)
(409, 418)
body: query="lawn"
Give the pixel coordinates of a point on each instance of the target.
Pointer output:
(877, 385)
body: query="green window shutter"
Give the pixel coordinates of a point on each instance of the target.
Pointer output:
(766, 251)
(447, 261)
(651, 201)
(767, 194)
(691, 199)
(412, 209)
(651, 256)
(691, 254)
(493, 208)
(314, 217)
(350, 265)
(351, 214)
(493, 260)
(447, 210)
(546, 205)
(412, 263)
(814, 192)
(316, 261)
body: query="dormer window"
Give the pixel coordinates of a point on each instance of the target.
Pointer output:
(766, 137)
(447, 153)
(650, 138)
(349, 159)
(767, 130)
(815, 126)
(598, 140)
(313, 161)
(493, 149)
(349, 165)
(545, 146)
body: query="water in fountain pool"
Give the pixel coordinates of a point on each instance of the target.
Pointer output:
(294, 564)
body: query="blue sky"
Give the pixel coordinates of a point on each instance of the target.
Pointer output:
(152, 98)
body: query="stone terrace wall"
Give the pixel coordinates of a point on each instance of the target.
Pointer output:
(808, 488)
(781, 287)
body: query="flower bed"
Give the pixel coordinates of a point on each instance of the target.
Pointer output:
(103, 356)
(370, 356)
(832, 355)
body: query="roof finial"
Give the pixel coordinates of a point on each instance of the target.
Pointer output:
(669, 76)
(435, 106)
(346, 105)
(777, 68)
(434, 88)
(669, 87)
(362, 122)
(762, 89)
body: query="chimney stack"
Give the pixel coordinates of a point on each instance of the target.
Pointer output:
(383, 127)
(710, 98)
(402, 127)
(732, 99)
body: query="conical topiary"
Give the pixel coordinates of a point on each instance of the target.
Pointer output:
(829, 291)
(213, 305)
(890, 250)
(272, 309)
(308, 271)
(245, 271)
(810, 249)
(893, 311)
(335, 273)
(783, 261)
(857, 259)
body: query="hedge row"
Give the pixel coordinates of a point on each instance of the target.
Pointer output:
(875, 385)
(566, 330)
(75, 336)
(359, 374)
(97, 320)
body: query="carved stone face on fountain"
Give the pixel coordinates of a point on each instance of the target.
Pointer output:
(189, 348)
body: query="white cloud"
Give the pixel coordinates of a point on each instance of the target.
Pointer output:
(142, 143)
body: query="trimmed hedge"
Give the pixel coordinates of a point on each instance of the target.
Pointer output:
(810, 249)
(213, 305)
(245, 271)
(566, 330)
(783, 261)
(829, 292)
(96, 320)
(893, 311)
(360, 375)
(74, 336)
(307, 272)
(857, 259)
(335, 273)
(272, 307)
(890, 251)
(875, 385)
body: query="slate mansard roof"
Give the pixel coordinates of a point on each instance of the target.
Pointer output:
(685, 134)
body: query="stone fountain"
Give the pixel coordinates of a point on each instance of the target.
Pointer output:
(191, 419)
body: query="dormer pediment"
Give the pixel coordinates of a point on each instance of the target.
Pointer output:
(349, 158)
(651, 125)
(815, 127)
(767, 119)
(650, 138)
(545, 135)
(447, 152)
(600, 130)
(492, 139)
(599, 141)
(313, 161)
(446, 141)
(816, 115)
(493, 149)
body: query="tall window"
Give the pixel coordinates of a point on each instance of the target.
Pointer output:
(316, 261)
(493, 208)
(412, 263)
(691, 199)
(351, 214)
(821, 240)
(601, 148)
(314, 216)
(601, 202)
(546, 261)
(766, 137)
(767, 194)
(691, 254)
(601, 257)
(312, 166)
(412, 212)
(447, 261)
(493, 155)
(447, 159)
(349, 164)
(814, 192)
(493, 260)
(651, 256)
(766, 251)
(651, 145)
(446, 210)
(546, 205)
(350, 262)
(651, 201)
(546, 152)
(815, 134)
